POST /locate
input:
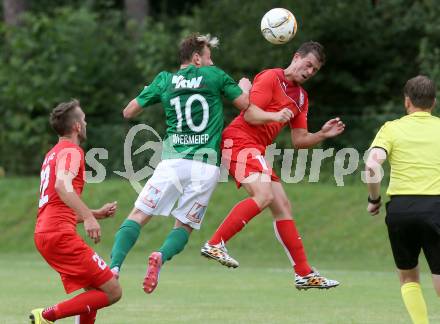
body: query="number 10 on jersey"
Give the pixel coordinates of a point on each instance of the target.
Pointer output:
(175, 102)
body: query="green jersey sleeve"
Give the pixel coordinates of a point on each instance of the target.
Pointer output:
(230, 88)
(151, 93)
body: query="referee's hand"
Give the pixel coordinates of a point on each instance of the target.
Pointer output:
(374, 209)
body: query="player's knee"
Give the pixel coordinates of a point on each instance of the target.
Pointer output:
(115, 294)
(139, 217)
(264, 198)
(113, 290)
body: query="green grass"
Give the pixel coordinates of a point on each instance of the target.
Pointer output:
(341, 240)
(332, 220)
(195, 290)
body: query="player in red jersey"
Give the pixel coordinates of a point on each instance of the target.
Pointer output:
(60, 209)
(277, 99)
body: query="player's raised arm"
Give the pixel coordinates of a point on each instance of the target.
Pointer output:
(257, 116)
(261, 96)
(149, 95)
(242, 101)
(301, 138)
(132, 110)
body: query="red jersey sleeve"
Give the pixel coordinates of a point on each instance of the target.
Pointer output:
(262, 88)
(300, 121)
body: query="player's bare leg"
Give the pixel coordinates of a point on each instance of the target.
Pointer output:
(112, 289)
(126, 237)
(139, 217)
(287, 234)
(436, 283)
(173, 244)
(260, 192)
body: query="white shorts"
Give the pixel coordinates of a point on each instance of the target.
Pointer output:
(188, 182)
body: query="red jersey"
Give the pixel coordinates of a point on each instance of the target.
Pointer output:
(53, 214)
(271, 91)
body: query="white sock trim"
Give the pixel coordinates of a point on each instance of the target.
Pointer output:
(282, 243)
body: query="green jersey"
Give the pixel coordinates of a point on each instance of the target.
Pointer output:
(193, 107)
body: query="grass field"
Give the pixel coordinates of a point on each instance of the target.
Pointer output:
(195, 290)
(342, 241)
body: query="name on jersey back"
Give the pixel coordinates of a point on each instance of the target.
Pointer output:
(184, 139)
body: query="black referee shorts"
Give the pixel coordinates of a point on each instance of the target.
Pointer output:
(414, 224)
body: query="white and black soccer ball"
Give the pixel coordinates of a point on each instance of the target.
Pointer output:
(278, 26)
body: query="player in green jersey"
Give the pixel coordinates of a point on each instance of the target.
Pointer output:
(189, 170)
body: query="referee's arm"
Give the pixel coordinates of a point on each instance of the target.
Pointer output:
(374, 172)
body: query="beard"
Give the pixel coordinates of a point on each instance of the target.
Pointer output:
(82, 136)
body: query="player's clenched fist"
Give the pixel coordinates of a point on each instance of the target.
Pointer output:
(245, 85)
(374, 209)
(283, 116)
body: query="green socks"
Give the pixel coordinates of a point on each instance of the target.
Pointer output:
(128, 234)
(125, 238)
(174, 243)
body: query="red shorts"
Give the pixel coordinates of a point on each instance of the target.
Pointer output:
(77, 263)
(242, 162)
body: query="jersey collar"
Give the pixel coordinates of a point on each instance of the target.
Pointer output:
(420, 114)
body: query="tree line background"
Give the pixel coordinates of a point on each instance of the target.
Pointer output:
(103, 52)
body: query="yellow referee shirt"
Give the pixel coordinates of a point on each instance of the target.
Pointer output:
(412, 144)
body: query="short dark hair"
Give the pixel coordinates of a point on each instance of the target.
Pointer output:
(312, 47)
(63, 116)
(195, 43)
(421, 91)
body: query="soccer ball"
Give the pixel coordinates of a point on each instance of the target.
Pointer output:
(278, 26)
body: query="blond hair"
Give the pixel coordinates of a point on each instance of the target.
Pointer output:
(195, 43)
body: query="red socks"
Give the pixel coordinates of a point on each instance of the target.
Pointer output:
(285, 231)
(239, 216)
(84, 303)
(88, 318)
(49, 313)
(288, 236)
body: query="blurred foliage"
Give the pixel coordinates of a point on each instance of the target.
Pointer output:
(82, 49)
(71, 54)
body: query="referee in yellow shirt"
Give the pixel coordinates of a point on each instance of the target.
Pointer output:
(412, 146)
